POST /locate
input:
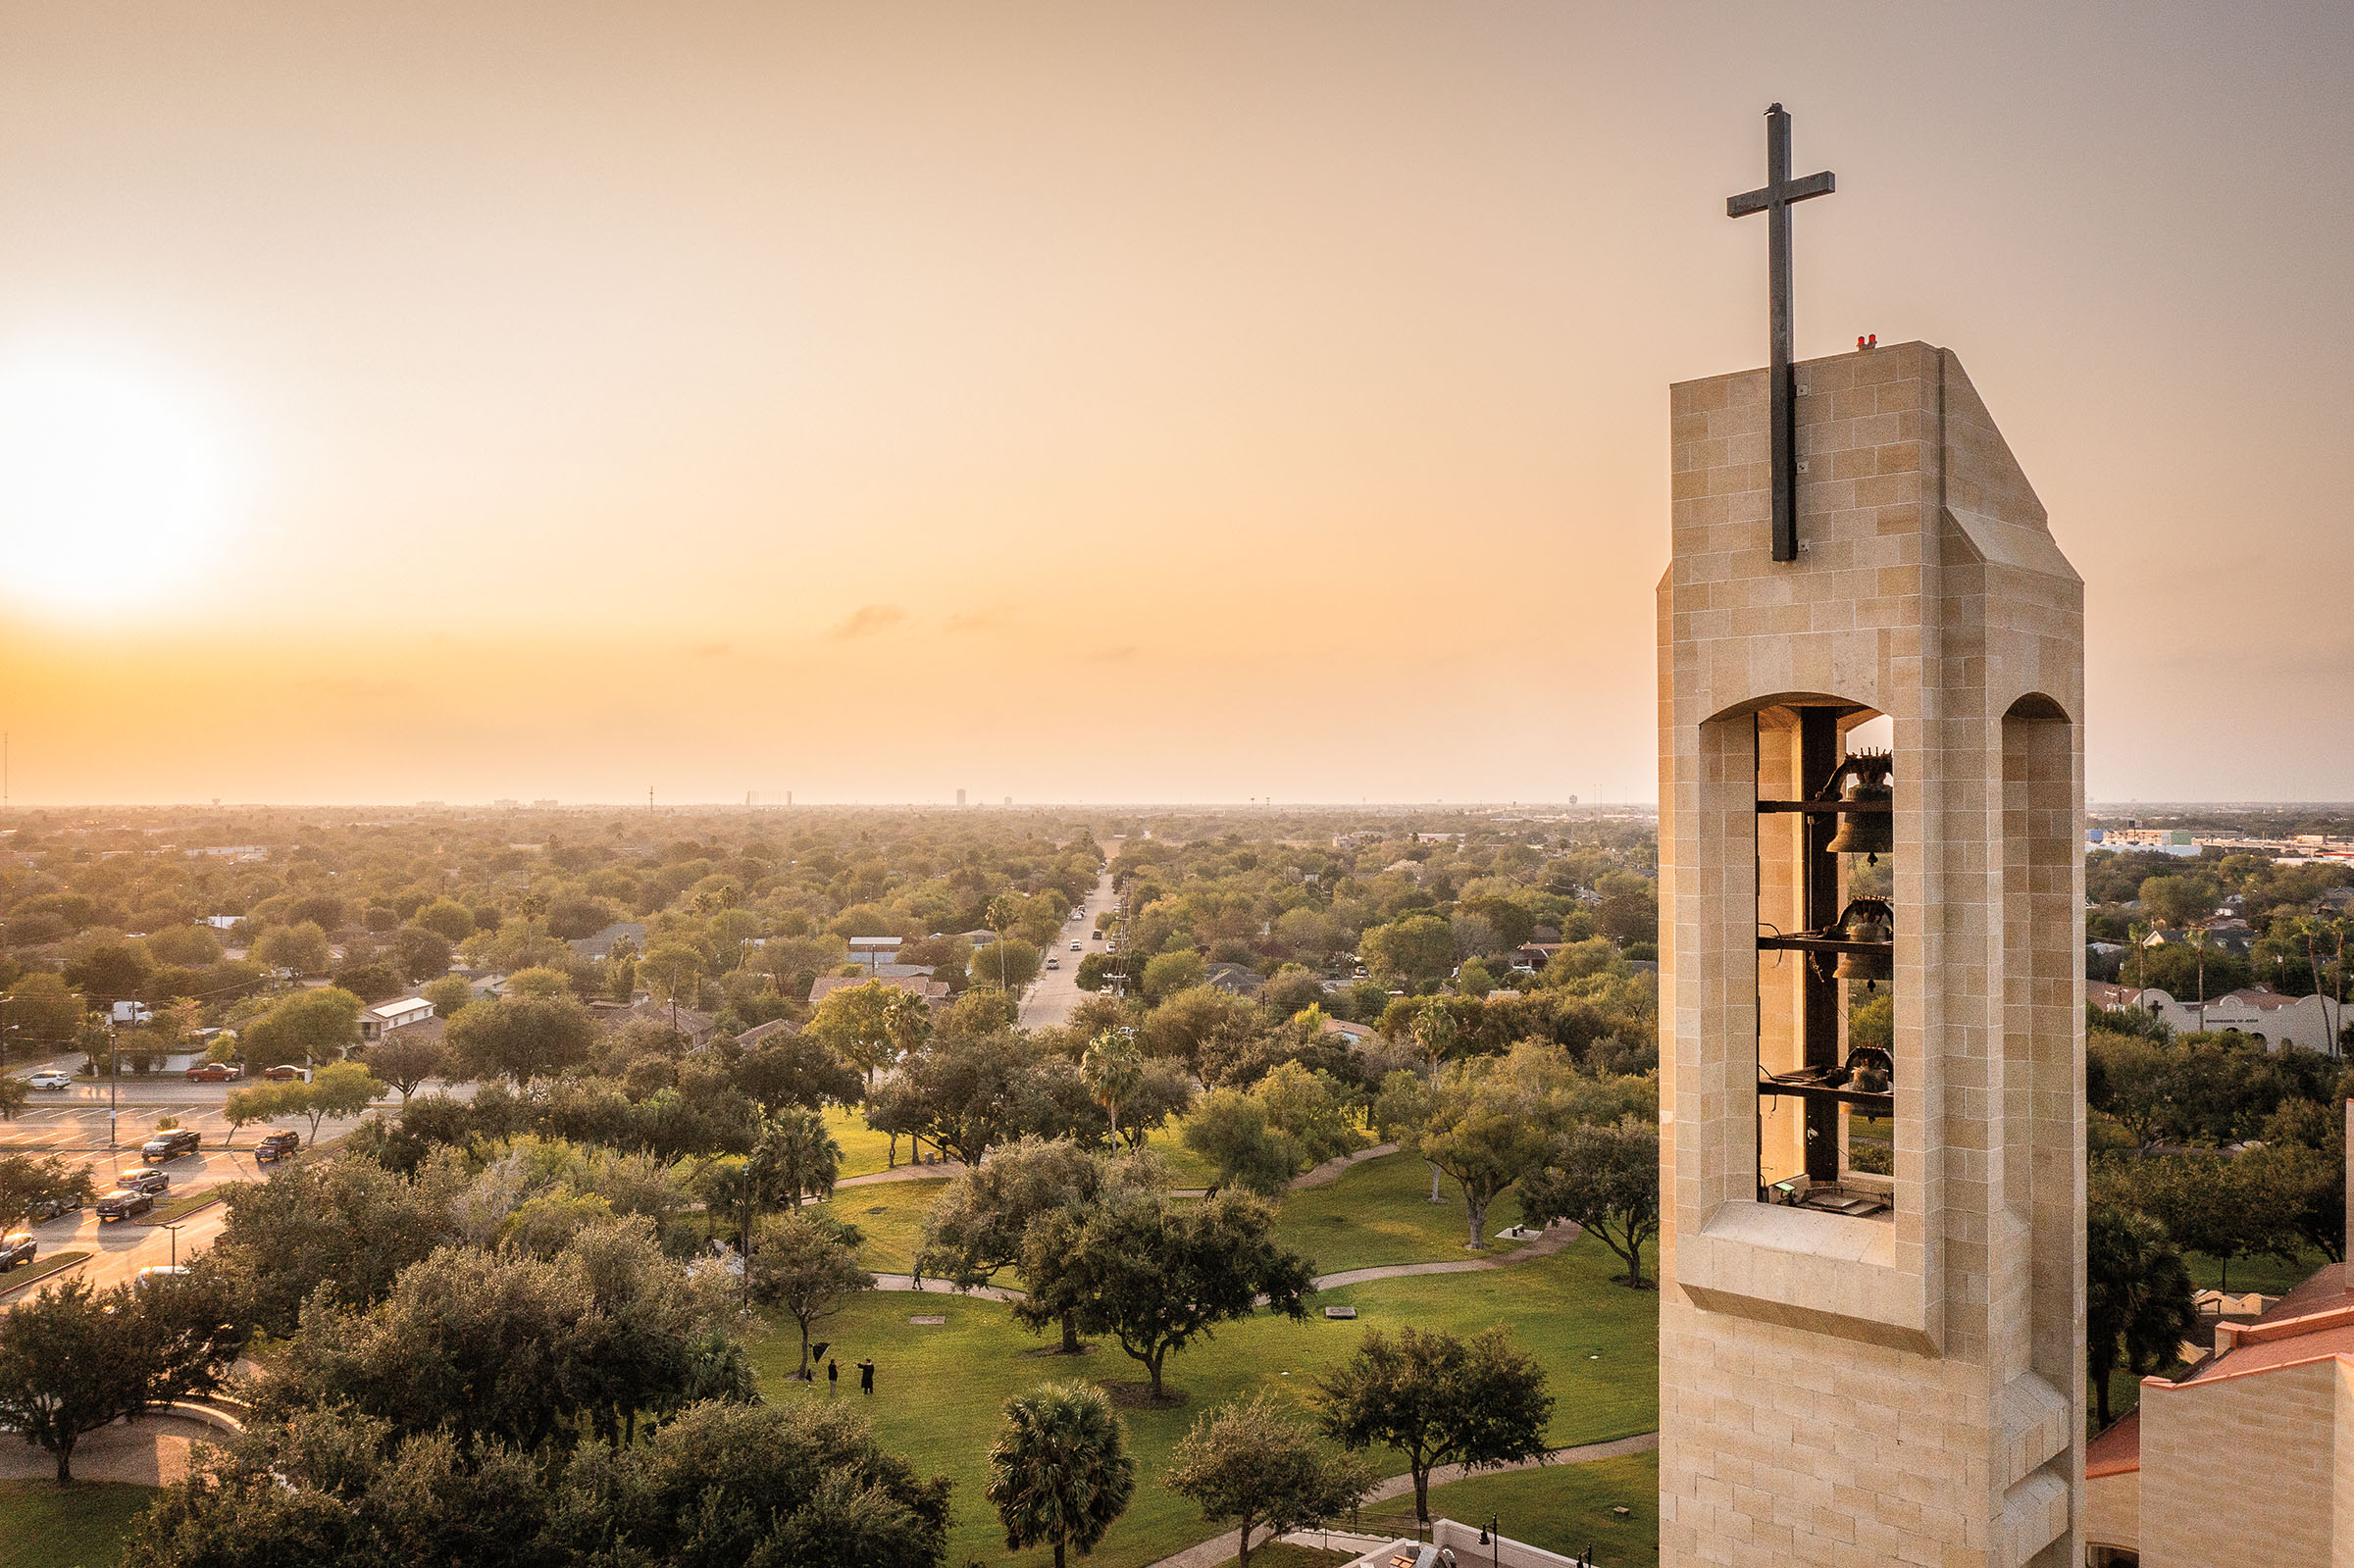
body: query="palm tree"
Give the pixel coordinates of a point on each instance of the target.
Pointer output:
(1059, 1472)
(2137, 1307)
(1112, 1072)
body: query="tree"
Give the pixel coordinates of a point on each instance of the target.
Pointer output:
(2180, 901)
(801, 1484)
(1169, 975)
(1606, 1178)
(806, 1159)
(1414, 949)
(2137, 1297)
(1009, 963)
(306, 1025)
(447, 994)
(15, 1094)
(1059, 1472)
(854, 1022)
(74, 1358)
(1437, 1399)
(370, 983)
(2206, 1202)
(976, 1226)
(1229, 1128)
(261, 1103)
(671, 969)
(341, 1089)
(446, 919)
(970, 1092)
(301, 949)
(349, 1220)
(27, 1181)
(1114, 1071)
(419, 954)
(1481, 1128)
(520, 1037)
(803, 1265)
(793, 1069)
(1631, 908)
(43, 1010)
(406, 1058)
(1254, 1464)
(1156, 1274)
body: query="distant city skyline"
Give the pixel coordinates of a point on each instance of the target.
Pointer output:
(1095, 400)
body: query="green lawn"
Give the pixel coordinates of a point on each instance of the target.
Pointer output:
(940, 1389)
(864, 1149)
(1187, 1168)
(2268, 1275)
(1561, 1508)
(46, 1526)
(1380, 1212)
(893, 1233)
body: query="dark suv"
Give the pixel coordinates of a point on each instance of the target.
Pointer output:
(171, 1145)
(143, 1179)
(276, 1147)
(17, 1248)
(49, 1208)
(122, 1203)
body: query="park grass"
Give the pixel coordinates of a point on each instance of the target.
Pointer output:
(892, 1214)
(1560, 1509)
(43, 1525)
(2260, 1272)
(1379, 1211)
(940, 1389)
(864, 1149)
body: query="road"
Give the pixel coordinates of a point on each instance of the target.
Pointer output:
(1056, 993)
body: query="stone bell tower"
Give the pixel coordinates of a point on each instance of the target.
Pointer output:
(1872, 878)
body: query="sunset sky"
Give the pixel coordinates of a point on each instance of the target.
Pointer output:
(1101, 401)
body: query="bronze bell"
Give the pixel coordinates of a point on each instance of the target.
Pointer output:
(1866, 777)
(1867, 920)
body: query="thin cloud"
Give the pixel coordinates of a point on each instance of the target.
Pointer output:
(989, 620)
(866, 621)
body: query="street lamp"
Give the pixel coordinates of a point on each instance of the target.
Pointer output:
(173, 1228)
(1491, 1538)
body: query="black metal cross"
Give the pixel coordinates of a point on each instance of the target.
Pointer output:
(1774, 199)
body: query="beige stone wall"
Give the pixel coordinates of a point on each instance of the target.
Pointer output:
(1837, 1389)
(2245, 1470)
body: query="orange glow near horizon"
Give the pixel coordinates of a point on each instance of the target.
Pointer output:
(1115, 401)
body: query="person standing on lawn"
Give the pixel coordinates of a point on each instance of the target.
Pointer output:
(866, 1375)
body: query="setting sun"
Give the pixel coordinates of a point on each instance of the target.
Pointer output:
(113, 489)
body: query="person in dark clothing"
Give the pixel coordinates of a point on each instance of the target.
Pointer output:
(866, 1375)
(833, 1376)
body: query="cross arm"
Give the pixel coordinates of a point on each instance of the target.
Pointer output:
(1757, 201)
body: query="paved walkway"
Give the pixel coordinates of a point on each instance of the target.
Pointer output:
(1219, 1550)
(1544, 1245)
(905, 1173)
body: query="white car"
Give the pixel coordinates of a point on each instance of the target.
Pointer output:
(1054, 963)
(51, 1078)
(1075, 947)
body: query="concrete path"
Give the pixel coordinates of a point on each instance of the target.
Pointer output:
(1219, 1550)
(905, 1173)
(1332, 1169)
(1552, 1242)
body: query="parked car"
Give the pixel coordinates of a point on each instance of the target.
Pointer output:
(170, 1144)
(1054, 963)
(143, 1179)
(161, 1270)
(122, 1203)
(1074, 947)
(16, 1247)
(1099, 936)
(215, 1073)
(275, 1145)
(51, 1078)
(285, 1073)
(44, 1209)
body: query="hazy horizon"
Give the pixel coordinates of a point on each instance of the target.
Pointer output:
(1108, 400)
